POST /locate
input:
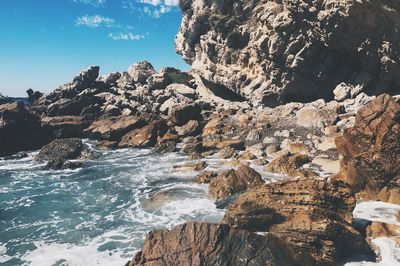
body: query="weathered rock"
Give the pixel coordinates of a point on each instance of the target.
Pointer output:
(234, 181)
(274, 51)
(61, 148)
(312, 117)
(20, 130)
(107, 144)
(182, 113)
(191, 128)
(344, 91)
(379, 229)
(141, 71)
(113, 128)
(313, 216)
(205, 177)
(200, 243)
(287, 163)
(143, 137)
(227, 152)
(371, 151)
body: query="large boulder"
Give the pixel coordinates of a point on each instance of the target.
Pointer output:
(234, 181)
(313, 216)
(287, 163)
(61, 148)
(371, 151)
(200, 243)
(113, 128)
(279, 51)
(20, 129)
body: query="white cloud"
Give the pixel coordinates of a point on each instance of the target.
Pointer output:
(171, 2)
(152, 8)
(128, 36)
(94, 21)
(95, 3)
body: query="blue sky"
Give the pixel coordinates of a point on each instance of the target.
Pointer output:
(44, 43)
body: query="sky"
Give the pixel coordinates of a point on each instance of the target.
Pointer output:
(44, 43)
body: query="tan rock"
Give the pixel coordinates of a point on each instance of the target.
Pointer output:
(287, 163)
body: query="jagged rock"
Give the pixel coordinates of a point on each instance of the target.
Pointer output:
(20, 130)
(379, 229)
(191, 128)
(205, 177)
(86, 77)
(234, 181)
(113, 128)
(181, 89)
(33, 96)
(141, 71)
(143, 137)
(274, 52)
(287, 163)
(61, 148)
(200, 243)
(371, 151)
(182, 113)
(126, 82)
(313, 216)
(344, 91)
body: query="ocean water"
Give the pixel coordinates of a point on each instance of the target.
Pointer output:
(97, 215)
(100, 214)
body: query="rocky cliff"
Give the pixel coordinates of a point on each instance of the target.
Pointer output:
(276, 51)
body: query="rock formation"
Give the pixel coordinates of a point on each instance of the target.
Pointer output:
(313, 216)
(371, 151)
(282, 51)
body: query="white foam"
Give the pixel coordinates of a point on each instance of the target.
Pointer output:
(377, 211)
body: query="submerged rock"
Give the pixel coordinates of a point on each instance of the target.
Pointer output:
(371, 151)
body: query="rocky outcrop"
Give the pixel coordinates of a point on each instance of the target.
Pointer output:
(313, 216)
(275, 52)
(20, 129)
(234, 181)
(113, 128)
(199, 243)
(371, 151)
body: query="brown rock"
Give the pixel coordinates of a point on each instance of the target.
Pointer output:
(313, 216)
(236, 144)
(113, 128)
(371, 151)
(200, 243)
(64, 126)
(227, 152)
(191, 128)
(234, 181)
(378, 229)
(107, 144)
(143, 137)
(205, 177)
(191, 166)
(287, 163)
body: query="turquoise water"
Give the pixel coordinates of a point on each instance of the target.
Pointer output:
(97, 215)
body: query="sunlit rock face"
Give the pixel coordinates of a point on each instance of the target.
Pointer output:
(276, 51)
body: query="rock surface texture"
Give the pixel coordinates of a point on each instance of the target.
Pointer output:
(371, 151)
(199, 243)
(279, 51)
(313, 216)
